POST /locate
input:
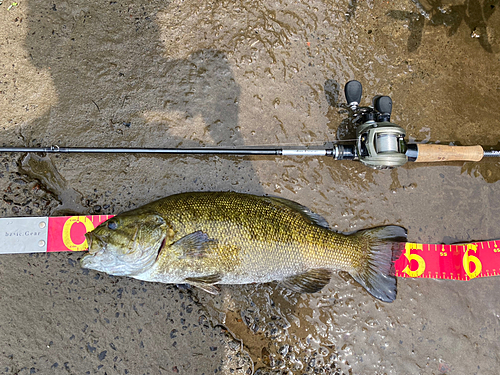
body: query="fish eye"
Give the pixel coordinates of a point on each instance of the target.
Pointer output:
(112, 225)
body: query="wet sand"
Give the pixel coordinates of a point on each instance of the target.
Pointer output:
(185, 73)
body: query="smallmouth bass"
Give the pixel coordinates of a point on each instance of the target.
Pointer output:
(209, 238)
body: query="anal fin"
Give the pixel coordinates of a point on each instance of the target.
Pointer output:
(311, 281)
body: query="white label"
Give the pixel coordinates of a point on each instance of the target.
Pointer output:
(23, 235)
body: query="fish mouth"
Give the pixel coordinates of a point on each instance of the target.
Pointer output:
(94, 239)
(88, 237)
(88, 259)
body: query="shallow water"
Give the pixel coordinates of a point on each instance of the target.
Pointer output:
(188, 73)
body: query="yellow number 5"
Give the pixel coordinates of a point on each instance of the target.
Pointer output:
(421, 262)
(471, 258)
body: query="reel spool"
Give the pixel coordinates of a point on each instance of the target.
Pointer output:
(381, 145)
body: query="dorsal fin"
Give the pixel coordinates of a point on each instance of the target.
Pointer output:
(310, 216)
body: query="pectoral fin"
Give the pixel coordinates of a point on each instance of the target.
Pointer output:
(196, 244)
(206, 283)
(308, 282)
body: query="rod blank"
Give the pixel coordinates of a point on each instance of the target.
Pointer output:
(178, 151)
(110, 150)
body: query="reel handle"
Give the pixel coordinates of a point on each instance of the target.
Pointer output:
(426, 153)
(353, 92)
(383, 104)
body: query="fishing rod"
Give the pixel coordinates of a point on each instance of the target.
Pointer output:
(379, 143)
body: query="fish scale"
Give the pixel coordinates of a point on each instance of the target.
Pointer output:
(210, 238)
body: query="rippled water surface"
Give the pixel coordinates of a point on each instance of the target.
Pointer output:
(230, 73)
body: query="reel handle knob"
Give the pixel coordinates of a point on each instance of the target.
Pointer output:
(353, 92)
(383, 105)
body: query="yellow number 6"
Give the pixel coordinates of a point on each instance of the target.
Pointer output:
(471, 258)
(421, 262)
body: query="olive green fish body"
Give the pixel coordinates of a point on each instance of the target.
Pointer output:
(206, 239)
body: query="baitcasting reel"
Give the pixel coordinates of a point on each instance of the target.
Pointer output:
(379, 143)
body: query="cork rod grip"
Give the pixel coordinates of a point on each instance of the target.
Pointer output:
(429, 153)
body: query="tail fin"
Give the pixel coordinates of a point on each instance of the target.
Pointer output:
(375, 271)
